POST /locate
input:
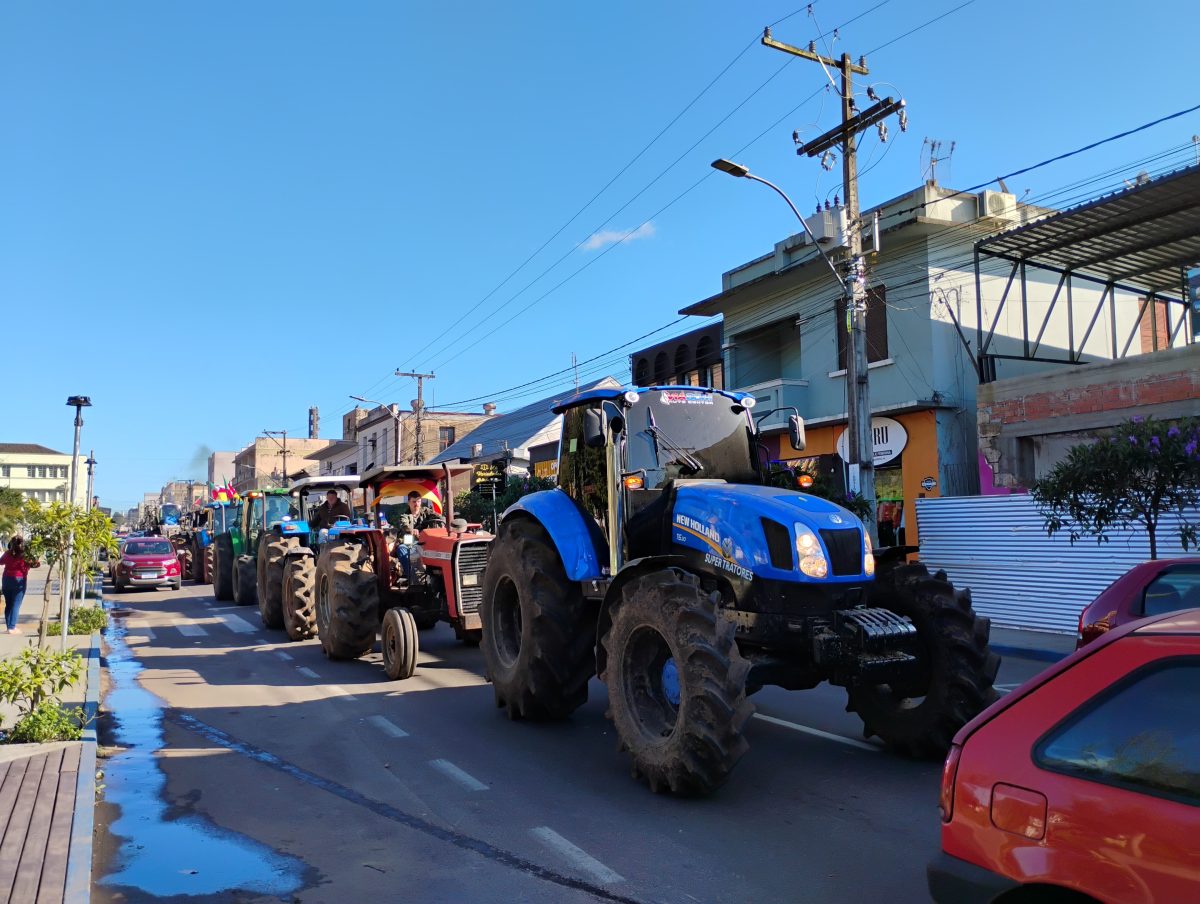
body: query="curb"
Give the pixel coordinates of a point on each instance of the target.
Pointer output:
(79, 852)
(1028, 652)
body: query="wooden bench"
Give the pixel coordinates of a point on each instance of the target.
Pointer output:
(37, 805)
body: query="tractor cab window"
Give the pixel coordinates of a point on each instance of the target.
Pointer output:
(674, 434)
(278, 507)
(583, 471)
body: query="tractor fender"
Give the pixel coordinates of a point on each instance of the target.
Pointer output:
(633, 569)
(580, 545)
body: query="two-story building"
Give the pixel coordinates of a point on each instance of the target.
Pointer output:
(39, 473)
(785, 338)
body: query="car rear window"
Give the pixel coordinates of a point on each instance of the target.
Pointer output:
(1176, 588)
(1141, 734)
(149, 548)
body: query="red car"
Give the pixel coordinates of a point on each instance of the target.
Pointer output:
(147, 562)
(1151, 588)
(1084, 783)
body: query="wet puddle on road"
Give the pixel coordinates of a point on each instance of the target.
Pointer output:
(166, 857)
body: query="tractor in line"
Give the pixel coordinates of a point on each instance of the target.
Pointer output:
(664, 565)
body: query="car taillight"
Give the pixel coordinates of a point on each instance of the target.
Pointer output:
(949, 774)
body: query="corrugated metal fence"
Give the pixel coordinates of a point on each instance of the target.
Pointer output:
(1019, 577)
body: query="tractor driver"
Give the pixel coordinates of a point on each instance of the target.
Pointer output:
(417, 516)
(329, 511)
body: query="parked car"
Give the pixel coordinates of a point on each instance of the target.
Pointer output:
(147, 562)
(1084, 783)
(1149, 588)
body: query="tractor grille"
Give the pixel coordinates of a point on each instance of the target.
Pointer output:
(845, 550)
(472, 561)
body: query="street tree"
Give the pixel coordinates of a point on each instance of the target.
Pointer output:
(476, 506)
(1130, 479)
(51, 528)
(12, 506)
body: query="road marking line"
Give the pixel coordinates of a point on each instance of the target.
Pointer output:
(579, 858)
(343, 693)
(392, 731)
(236, 623)
(451, 771)
(191, 630)
(305, 670)
(817, 733)
(283, 655)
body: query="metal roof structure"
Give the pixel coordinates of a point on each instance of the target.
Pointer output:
(1139, 240)
(1141, 237)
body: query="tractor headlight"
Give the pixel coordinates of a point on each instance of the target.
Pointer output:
(812, 558)
(868, 556)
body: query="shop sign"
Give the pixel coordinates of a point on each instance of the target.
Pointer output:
(546, 469)
(490, 475)
(889, 437)
(928, 484)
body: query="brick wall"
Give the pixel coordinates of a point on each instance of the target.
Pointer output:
(1080, 400)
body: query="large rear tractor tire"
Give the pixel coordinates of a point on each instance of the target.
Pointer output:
(245, 581)
(207, 563)
(197, 559)
(538, 631)
(272, 556)
(398, 639)
(300, 597)
(347, 600)
(920, 717)
(223, 568)
(676, 683)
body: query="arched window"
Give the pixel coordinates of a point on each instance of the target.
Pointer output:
(682, 354)
(641, 372)
(705, 352)
(662, 369)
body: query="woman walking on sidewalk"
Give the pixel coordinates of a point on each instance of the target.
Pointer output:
(16, 576)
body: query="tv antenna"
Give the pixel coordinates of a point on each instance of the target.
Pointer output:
(929, 165)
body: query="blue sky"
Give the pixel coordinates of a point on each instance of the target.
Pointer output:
(215, 215)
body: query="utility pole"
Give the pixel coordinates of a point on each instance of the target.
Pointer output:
(418, 456)
(860, 445)
(283, 448)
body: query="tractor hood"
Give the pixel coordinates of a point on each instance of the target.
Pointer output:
(726, 523)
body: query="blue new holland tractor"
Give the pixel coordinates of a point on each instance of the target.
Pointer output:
(664, 564)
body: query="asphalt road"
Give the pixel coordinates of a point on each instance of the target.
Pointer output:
(283, 775)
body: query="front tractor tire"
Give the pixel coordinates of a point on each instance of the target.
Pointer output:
(676, 683)
(300, 598)
(245, 581)
(538, 630)
(920, 717)
(272, 556)
(223, 568)
(398, 640)
(347, 600)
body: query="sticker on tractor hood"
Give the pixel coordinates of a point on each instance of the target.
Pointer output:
(686, 398)
(721, 554)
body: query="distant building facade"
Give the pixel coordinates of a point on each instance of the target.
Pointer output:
(264, 463)
(39, 473)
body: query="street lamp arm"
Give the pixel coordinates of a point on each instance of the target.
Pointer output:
(821, 251)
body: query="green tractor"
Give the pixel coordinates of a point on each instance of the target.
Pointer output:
(236, 563)
(664, 565)
(287, 556)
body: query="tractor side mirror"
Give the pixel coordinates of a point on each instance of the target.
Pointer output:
(595, 426)
(796, 432)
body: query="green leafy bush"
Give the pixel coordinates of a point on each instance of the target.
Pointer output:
(37, 674)
(84, 620)
(47, 722)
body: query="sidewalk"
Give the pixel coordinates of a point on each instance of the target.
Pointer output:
(48, 791)
(1043, 646)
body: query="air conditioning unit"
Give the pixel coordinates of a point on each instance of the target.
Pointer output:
(998, 207)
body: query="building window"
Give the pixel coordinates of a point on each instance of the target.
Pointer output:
(4, 470)
(30, 471)
(877, 337)
(62, 472)
(445, 438)
(1132, 735)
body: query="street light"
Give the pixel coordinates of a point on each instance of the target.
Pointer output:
(395, 417)
(78, 402)
(858, 413)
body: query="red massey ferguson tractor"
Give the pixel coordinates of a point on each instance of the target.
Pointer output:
(362, 587)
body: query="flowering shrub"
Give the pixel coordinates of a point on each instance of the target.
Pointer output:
(1143, 470)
